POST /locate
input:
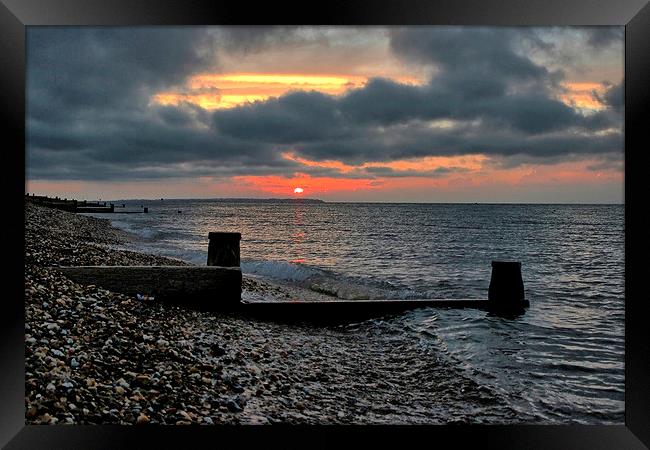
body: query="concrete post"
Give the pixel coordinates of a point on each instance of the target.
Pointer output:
(223, 249)
(506, 289)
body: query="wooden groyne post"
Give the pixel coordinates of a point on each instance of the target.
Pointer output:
(506, 291)
(223, 249)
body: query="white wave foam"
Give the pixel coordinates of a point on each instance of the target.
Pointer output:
(197, 257)
(144, 232)
(279, 270)
(355, 289)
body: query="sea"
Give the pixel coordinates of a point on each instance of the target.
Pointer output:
(562, 361)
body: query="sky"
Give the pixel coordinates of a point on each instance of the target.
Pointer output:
(378, 114)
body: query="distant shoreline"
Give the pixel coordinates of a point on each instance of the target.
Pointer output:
(319, 201)
(330, 202)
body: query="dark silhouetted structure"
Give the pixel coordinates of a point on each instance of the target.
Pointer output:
(506, 289)
(223, 249)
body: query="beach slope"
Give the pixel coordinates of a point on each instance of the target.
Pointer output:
(95, 357)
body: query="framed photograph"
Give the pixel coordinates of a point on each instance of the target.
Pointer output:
(405, 219)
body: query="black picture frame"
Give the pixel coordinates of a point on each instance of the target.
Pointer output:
(15, 15)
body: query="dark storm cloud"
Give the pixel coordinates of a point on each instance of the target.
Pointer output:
(389, 172)
(459, 51)
(89, 111)
(480, 77)
(603, 36)
(386, 102)
(306, 117)
(90, 114)
(86, 67)
(613, 97)
(421, 142)
(246, 39)
(608, 162)
(295, 117)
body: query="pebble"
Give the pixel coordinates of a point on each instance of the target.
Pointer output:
(142, 380)
(233, 406)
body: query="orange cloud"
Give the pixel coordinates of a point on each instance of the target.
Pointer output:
(580, 95)
(425, 164)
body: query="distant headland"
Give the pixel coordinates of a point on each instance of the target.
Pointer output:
(241, 200)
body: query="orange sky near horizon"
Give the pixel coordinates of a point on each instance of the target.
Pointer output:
(562, 175)
(527, 175)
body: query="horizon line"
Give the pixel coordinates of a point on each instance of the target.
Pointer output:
(353, 201)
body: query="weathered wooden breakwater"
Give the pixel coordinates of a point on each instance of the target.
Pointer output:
(80, 206)
(217, 286)
(203, 286)
(505, 298)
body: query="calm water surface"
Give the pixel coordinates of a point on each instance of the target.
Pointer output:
(562, 361)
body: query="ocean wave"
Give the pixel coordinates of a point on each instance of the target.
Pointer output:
(279, 270)
(328, 282)
(147, 233)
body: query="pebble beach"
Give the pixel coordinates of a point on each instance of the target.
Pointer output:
(94, 356)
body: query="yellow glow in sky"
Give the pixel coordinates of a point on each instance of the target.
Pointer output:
(219, 91)
(208, 101)
(269, 78)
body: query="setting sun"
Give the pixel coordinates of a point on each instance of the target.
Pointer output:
(298, 190)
